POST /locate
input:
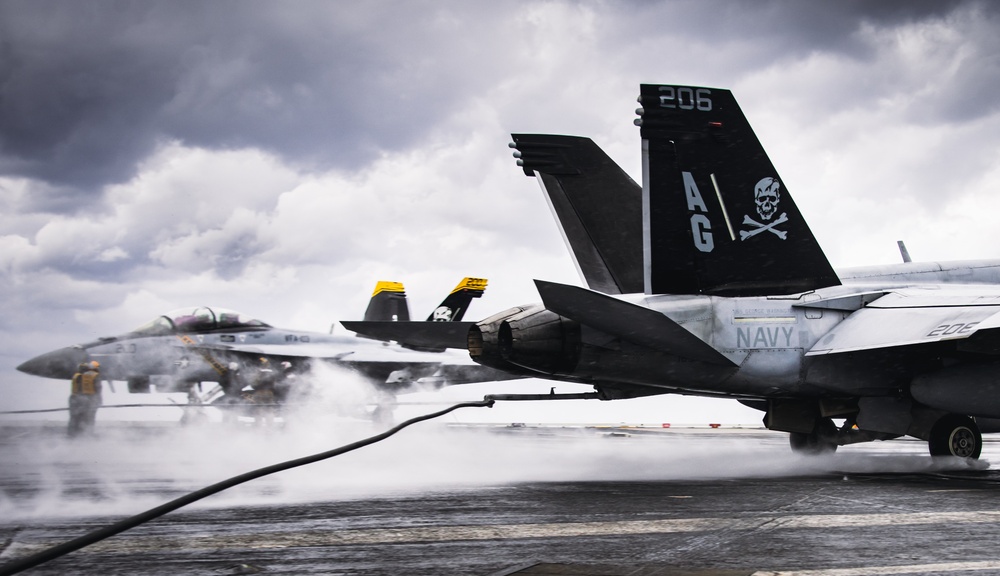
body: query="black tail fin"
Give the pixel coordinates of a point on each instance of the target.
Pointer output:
(598, 207)
(453, 307)
(388, 303)
(718, 218)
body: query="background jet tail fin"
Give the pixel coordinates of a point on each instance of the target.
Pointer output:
(597, 205)
(388, 303)
(718, 219)
(453, 307)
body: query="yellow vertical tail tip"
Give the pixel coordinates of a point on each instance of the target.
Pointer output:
(469, 283)
(387, 286)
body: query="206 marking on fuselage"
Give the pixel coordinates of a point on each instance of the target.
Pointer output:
(950, 329)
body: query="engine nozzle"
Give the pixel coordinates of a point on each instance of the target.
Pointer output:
(526, 337)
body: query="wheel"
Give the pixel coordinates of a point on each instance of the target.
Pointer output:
(822, 440)
(955, 435)
(138, 384)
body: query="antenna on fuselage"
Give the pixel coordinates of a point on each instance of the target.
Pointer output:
(903, 251)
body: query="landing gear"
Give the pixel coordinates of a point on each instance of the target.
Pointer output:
(385, 406)
(955, 435)
(138, 384)
(194, 415)
(822, 440)
(382, 415)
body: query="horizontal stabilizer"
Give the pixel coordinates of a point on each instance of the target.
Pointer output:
(597, 205)
(636, 324)
(430, 335)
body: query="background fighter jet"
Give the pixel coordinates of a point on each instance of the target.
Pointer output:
(737, 298)
(192, 345)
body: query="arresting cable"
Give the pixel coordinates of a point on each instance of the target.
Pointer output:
(235, 406)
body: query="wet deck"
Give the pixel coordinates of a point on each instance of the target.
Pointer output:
(526, 501)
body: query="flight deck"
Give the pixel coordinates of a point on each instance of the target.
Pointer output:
(444, 498)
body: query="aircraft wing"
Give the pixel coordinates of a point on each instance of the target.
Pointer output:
(634, 323)
(298, 350)
(420, 334)
(324, 351)
(913, 317)
(453, 374)
(391, 365)
(401, 367)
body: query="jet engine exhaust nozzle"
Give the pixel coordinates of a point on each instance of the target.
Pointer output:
(482, 341)
(540, 340)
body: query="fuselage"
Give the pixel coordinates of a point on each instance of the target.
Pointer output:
(767, 340)
(199, 344)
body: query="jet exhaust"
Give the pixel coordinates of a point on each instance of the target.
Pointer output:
(541, 340)
(483, 341)
(526, 337)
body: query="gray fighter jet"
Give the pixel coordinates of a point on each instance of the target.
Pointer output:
(192, 345)
(707, 281)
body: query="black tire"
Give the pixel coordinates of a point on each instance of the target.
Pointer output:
(822, 440)
(955, 435)
(138, 384)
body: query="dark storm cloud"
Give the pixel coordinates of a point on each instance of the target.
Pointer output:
(786, 27)
(89, 89)
(746, 37)
(79, 86)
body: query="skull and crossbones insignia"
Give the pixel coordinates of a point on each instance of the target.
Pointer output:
(767, 194)
(442, 314)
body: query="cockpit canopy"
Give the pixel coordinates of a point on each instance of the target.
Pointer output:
(199, 319)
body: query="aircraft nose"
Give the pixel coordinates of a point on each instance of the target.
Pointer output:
(60, 363)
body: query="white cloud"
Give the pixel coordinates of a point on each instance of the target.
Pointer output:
(302, 157)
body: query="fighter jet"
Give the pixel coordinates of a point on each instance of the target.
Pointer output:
(707, 281)
(192, 345)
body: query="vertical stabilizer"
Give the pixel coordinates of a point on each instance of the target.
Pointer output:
(453, 307)
(388, 303)
(597, 205)
(717, 218)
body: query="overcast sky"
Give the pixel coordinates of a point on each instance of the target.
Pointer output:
(279, 158)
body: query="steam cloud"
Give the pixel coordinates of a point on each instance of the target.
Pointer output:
(127, 470)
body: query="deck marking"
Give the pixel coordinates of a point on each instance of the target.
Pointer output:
(886, 570)
(445, 533)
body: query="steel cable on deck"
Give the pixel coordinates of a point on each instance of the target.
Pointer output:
(182, 406)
